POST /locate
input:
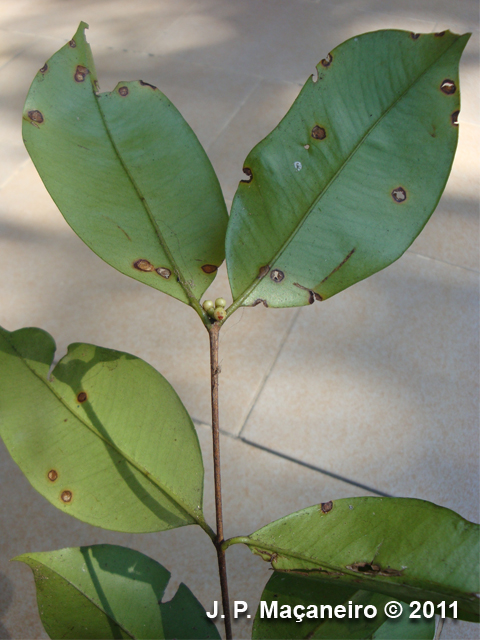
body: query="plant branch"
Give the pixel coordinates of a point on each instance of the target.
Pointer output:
(219, 540)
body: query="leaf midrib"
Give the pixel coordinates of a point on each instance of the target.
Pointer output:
(252, 542)
(180, 279)
(309, 210)
(147, 474)
(87, 597)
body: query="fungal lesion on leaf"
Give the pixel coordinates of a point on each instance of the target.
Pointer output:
(276, 275)
(209, 268)
(327, 61)
(262, 272)
(318, 133)
(312, 295)
(326, 507)
(147, 84)
(247, 172)
(371, 569)
(448, 87)
(81, 73)
(399, 194)
(260, 301)
(454, 118)
(347, 257)
(66, 496)
(143, 265)
(35, 117)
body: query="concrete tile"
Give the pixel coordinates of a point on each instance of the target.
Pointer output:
(380, 385)
(15, 79)
(452, 233)
(276, 39)
(52, 280)
(11, 44)
(186, 552)
(207, 98)
(112, 22)
(261, 113)
(464, 12)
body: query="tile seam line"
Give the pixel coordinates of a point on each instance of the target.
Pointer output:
(440, 261)
(301, 463)
(14, 173)
(21, 52)
(235, 112)
(266, 375)
(308, 465)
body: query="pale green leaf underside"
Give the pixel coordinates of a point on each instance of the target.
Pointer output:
(107, 591)
(406, 548)
(105, 438)
(294, 590)
(127, 172)
(347, 180)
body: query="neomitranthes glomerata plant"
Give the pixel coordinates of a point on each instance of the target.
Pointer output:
(336, 192)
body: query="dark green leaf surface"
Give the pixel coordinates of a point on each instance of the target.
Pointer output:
(127, 172)
(308, 595)
(347, 180)
(106, 591)
(105, 438)
(405, 548)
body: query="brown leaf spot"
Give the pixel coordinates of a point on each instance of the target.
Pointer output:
(371, 569)
(52, 475)
(146, 84)
(325, 507)
(317, 296)
(66, 496)
(209, 268)
(247, 172)
(164, 272)
(44, 69)
(262, 272)
(318, 133)
(123, 91)
(260, 301)
(339, 266)
(143, 265)
(415, 36)
(399, 194)
(448, 87)
(454, 118)
(81, 73)
(327, 61)
(277, 275)
(36, 116)
(72, 44)
(82, 396)
(440, 34)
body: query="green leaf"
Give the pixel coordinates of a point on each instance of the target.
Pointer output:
(127, 172)
(105, 438)
(405, 548)
(106, 591)
(302, 599)
(348, 179)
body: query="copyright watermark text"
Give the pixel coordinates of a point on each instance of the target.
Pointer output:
(392, 609)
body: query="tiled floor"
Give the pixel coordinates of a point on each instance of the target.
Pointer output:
(374, 391)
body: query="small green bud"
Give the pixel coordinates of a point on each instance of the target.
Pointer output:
(219, 313)
(208, 304)
(220, 302)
